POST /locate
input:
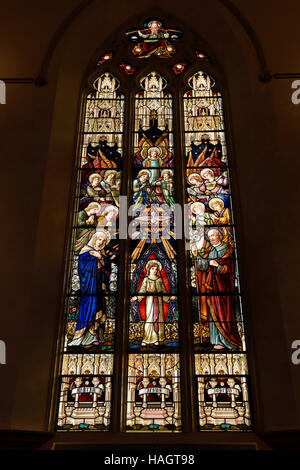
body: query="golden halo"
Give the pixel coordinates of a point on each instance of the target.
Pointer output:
(154, 148)
(105, 234)
(205, 170)
(154, 21)
(197, 204)
(193, 175)
(94, 205)
(108, 173)
(215, 200)
(94, 175)
(167, 171)
(144, 171)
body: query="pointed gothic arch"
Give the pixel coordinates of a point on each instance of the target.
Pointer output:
(98, 389)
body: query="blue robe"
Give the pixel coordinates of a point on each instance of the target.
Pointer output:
(93, 281)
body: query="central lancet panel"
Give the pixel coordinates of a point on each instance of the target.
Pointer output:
(153, 397)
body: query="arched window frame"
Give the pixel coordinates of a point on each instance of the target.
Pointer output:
(178, 85)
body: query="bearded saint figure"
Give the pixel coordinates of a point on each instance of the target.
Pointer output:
(215, 273)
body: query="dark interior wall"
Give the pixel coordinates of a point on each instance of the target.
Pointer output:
(38, 129)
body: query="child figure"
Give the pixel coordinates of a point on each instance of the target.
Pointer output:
(152, 284)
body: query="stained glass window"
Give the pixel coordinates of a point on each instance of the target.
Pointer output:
(166, 303)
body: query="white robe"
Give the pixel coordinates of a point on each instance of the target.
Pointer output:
(154, 331)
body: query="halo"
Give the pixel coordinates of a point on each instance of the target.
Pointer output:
(206, 169)
(154, 148)
(193, 175)
(144, 171)
(154, 21)
(109, 172)
(110, 207)
(95, 204)
(93, 175)
(197, 204)
(214, 200)
(104, 232)
(167, 171)
(156, 262)
(205, 137)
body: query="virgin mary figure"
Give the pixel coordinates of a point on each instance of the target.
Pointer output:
(93, 269)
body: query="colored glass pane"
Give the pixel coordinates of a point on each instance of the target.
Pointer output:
(180, 67)
(201, 55)
(127, 68)
(218, 327)
(85, 392)
(153, 404)
(150, 265)
(153, 397)
(91, 301)
(153, 39)
(105, 58)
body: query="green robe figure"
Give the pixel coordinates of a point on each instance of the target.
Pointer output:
(164, 188)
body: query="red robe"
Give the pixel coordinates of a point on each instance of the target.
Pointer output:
(220, 305)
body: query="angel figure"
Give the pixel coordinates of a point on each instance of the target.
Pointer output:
(153, 162)
(153, 152)
(111, 185)
(197, 222)
(142, 189)
(164, 188)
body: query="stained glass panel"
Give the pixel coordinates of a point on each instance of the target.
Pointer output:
(153, 400)
(153, 315)
(164, 333)
(91, 301)
(221, 364)
(85, 392)
(223, 403)
(127, 68)
(218, 327)
(153, 39)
